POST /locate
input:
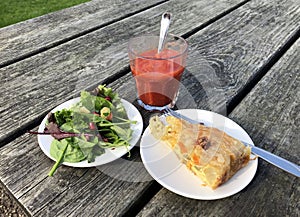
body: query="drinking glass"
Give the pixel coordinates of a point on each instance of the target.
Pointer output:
(157, 75)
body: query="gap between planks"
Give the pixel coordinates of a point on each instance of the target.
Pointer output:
(262, 72)
(36, 122)
(214, 19)
(14, 199)
(80, 34)
(135, 208)
(143, 199)
(148, 194)
(13, 135)
(75, 36)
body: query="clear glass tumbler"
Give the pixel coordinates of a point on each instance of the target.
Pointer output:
(157, 75)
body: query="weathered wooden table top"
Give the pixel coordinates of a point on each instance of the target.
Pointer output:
(243, 63)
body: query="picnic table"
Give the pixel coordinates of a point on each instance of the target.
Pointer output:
(243, 63)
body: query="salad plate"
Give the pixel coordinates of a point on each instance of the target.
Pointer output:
(110, 154)
(164, 166)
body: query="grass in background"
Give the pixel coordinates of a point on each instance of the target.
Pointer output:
(14, 11)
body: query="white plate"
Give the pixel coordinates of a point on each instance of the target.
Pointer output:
(164, 166)
(110, 154)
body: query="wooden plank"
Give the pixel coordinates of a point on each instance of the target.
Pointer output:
(84, 62)
(270, 114)
(273, 120)
(54, 28)
(232, 52)
(24, 150)
(24, 169)
(238, 47)
(73, 67)
(105, 190)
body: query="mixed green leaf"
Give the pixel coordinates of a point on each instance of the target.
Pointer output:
(83, 132)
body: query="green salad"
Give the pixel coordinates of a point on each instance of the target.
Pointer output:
(83, 132)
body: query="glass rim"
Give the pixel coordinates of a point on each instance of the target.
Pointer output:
(158, 58)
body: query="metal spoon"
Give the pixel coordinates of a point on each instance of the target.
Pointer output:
(164, 27)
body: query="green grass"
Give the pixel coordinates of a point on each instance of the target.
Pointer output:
(13, 11)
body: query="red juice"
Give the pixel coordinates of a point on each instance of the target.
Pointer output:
(157, 76)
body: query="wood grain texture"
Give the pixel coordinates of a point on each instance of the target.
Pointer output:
(273, 118)
(36, 34)
(33, 86)
(238, 47)
(85, 66)
(270, 115)
(99, 191)
(108, 189)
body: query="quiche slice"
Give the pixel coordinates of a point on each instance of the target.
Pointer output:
(208, 152)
